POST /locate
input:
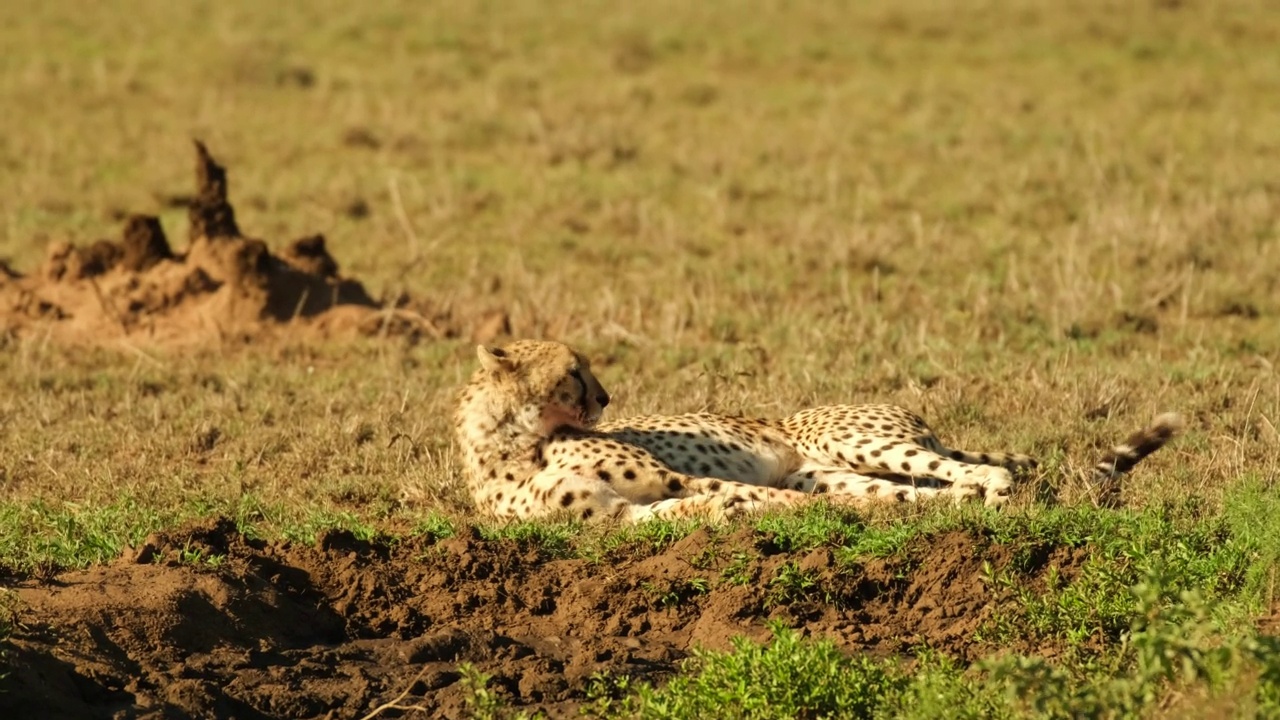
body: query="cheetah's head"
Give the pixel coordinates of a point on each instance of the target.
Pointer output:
(548, 380)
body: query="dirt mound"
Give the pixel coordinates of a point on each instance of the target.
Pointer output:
(207, 622)
(224, 286)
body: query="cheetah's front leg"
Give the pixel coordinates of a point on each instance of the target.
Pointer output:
(554, 491)
(560, 490)
(718, 500)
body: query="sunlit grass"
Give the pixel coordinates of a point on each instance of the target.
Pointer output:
(1039, 225)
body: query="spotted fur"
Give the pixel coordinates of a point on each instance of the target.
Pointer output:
(528, 425)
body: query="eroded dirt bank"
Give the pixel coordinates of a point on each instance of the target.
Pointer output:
(280, 630)
(223, 287)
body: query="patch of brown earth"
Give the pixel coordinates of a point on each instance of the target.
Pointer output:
(1269, 624)
(281, 630)
(224, 286)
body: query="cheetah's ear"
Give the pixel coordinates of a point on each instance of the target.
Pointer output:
(493, 359)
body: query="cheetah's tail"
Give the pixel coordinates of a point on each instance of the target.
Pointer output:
(1121, 458)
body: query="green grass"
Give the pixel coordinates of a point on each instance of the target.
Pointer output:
(1096, 604)
(35, 535)
(1037, 224)
(45, 537)
(1170, 648)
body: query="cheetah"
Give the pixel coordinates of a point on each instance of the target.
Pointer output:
(528, 424)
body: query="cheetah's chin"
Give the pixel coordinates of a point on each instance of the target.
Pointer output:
(554, 419)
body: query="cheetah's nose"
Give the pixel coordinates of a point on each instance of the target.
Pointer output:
(603, 399)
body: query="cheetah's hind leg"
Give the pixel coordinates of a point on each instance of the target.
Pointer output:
(921, 466)
(1013, 462)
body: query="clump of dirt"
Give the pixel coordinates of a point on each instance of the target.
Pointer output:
(1269, 624)
(207, 622)
(223, 286)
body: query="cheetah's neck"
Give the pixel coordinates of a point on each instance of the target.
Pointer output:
(499, 443)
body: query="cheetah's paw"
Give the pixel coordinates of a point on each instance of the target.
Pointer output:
(992, 484)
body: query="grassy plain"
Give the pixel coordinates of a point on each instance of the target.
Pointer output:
(1037, 224)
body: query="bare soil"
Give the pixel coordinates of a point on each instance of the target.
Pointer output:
(225, 287)
(282, 630)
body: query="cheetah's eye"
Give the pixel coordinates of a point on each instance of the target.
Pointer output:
(579, 393)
